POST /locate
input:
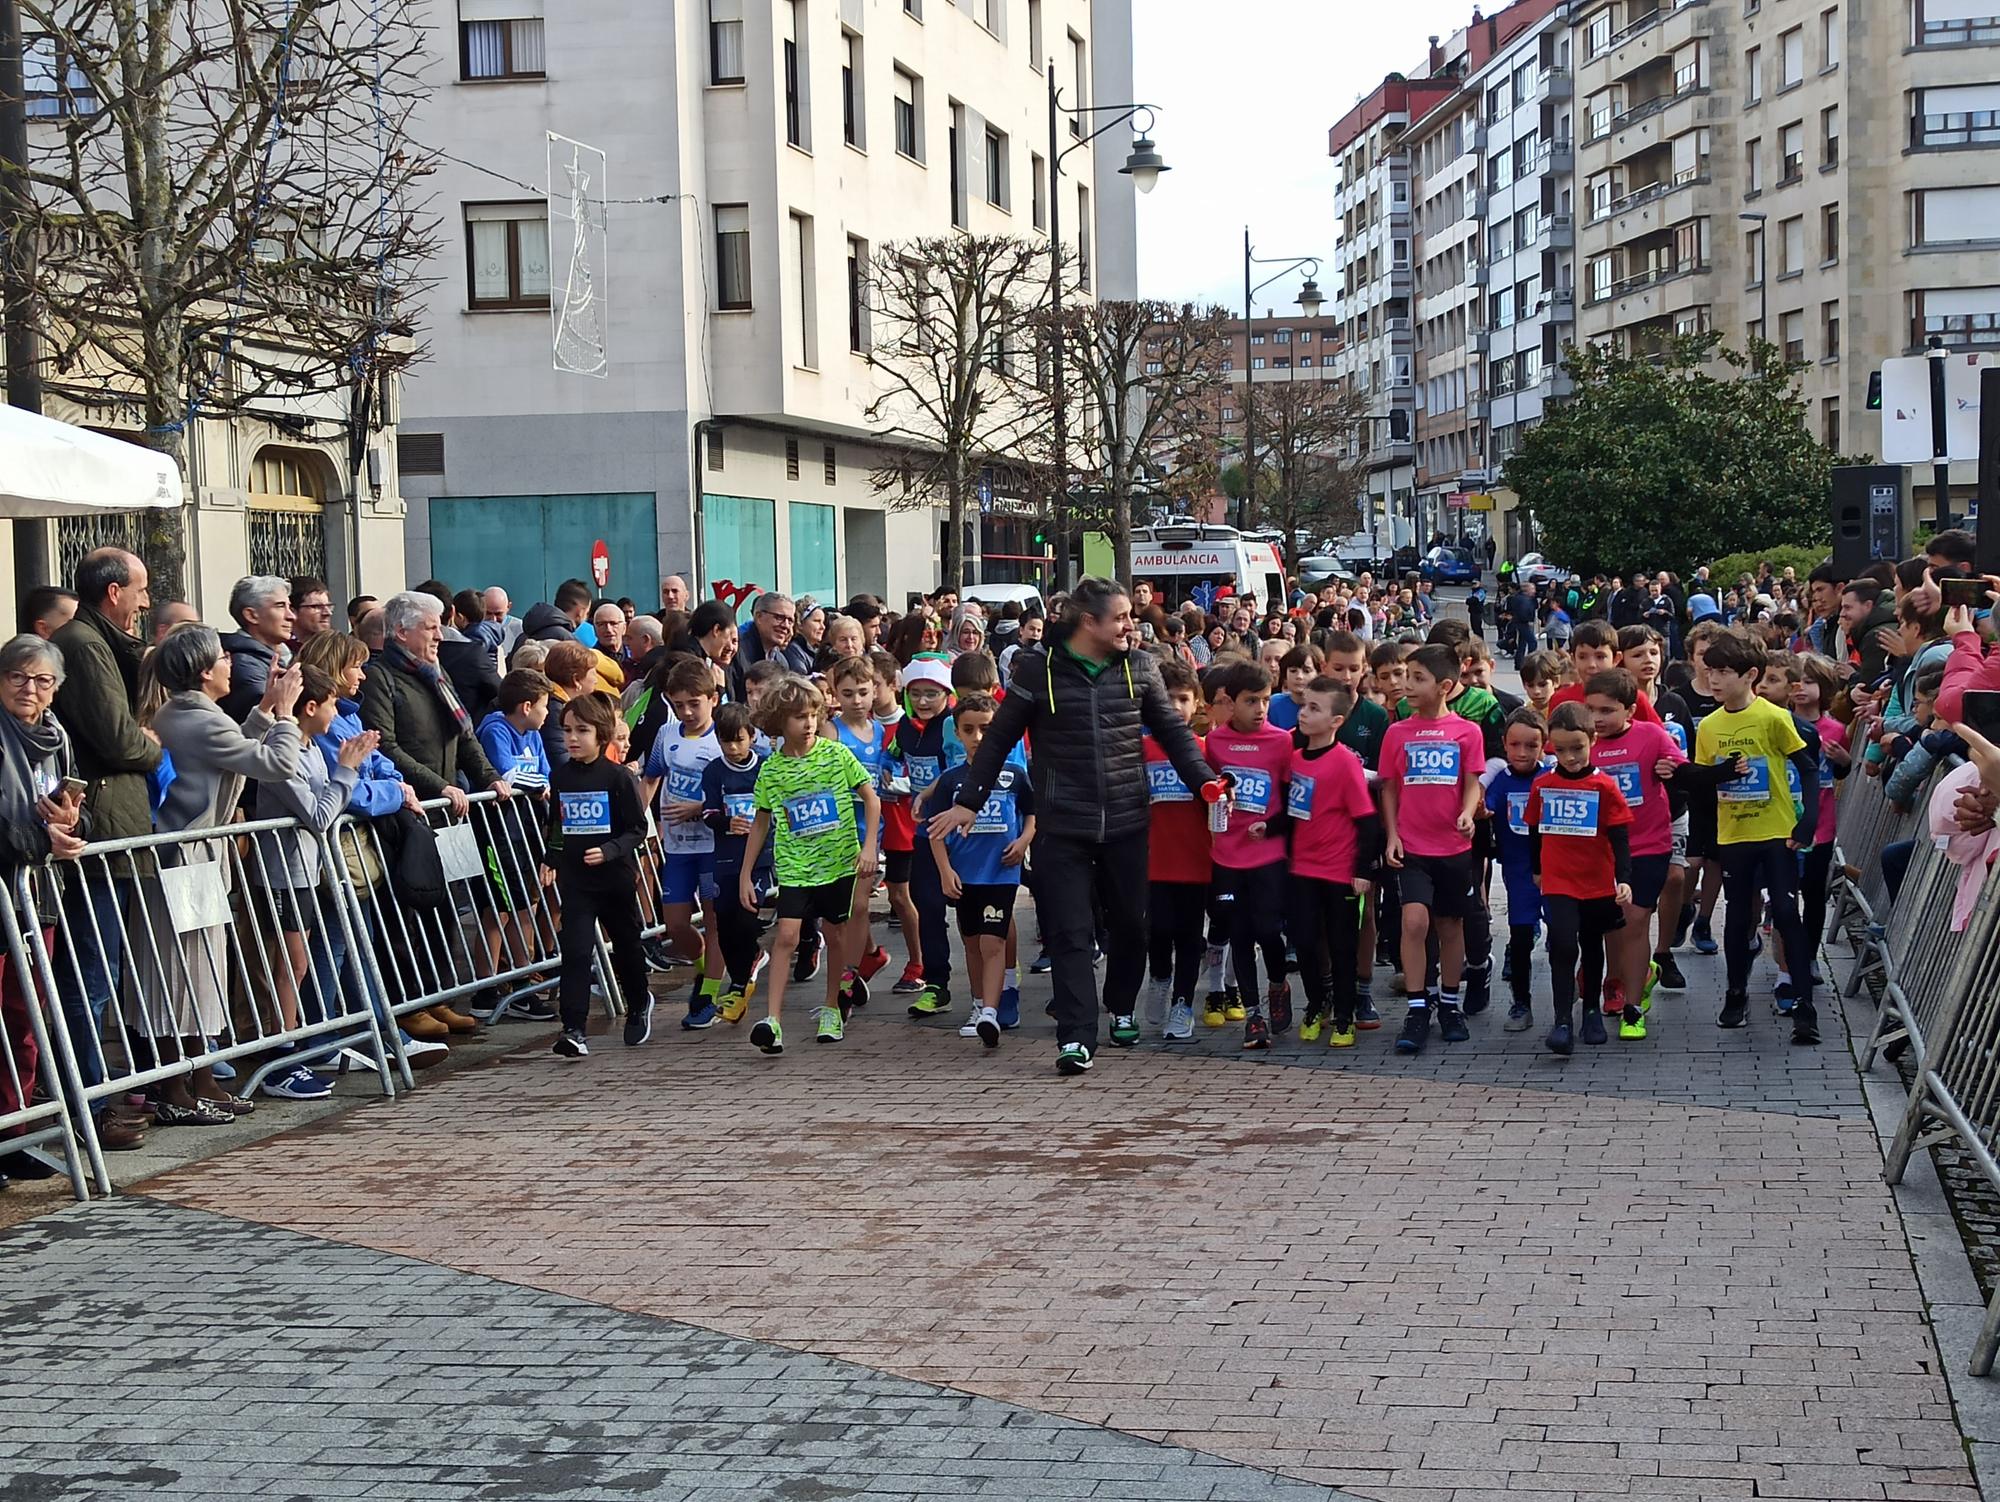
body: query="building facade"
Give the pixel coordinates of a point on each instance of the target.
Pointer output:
(1447, 152)
(758, 156)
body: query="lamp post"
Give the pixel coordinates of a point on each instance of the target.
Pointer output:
(1144, 166)
(1310, 302)
(1763, 284)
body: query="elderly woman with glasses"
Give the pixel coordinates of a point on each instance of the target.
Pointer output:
(40, 821)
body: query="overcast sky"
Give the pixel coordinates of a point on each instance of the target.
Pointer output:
(1248, 90)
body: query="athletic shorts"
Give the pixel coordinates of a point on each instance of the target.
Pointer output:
(686, 875)
(1703, 844)
(986, 912)
(510, 872)
(1679, 857)
(832, 903)
(289, 910)
(1446, 884)
(896, 867)
(1649, 879)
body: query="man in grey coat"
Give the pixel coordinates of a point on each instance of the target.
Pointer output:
(409, 701)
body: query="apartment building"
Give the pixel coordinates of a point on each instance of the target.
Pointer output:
(757, 156)
(1447, 156)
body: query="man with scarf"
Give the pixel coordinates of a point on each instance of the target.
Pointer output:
(424, 728)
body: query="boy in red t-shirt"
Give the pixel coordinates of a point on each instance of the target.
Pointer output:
(1581, 853)
(1179, 871)
(1250, 854)
(1430, 769)
(1594, 650)
(1336, 835)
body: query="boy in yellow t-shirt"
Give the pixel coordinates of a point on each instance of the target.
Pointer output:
(1760, 828)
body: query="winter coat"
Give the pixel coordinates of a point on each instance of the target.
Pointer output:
(250, 664)
(113, 755)
(418, 733)
(795, 655)
(544, 622)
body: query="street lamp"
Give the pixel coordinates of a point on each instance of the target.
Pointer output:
(1311, 300)
(1763, 285)
(1144, 166)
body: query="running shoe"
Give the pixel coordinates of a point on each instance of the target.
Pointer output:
(1646, 990)
(1704, 938)
(987, 1026)
(1668, 974)
(571, 1045)
(832, 1026)
(873, 962)
(1180, 1021)
(1309, 1028)
(1072, 1058)
(853, 991)
(1735, 1010)
(734, 1005)
(639, 1023)
(1451, 1025)
(1010, 1008)
(1805, 1025)
(806, 963)
(768, 1036)
(1520, 1017)
(1212, 1013)
(932, 1001)
(1365, 1016)
(1042, 965)
(1278, 1005)
(1156, 1002)
(300, 1084)
(1478, 988)
(1124, 1030)
(1593, 1027)
(970, 1027)
(1233, 1007)
(1632, 1026)
(1416, 1031)
(1256, 1032)
(700, 1015)
(1614, 996)
(912, 980)
(1340, 1035)
(1558, 1040)
(1784, 997)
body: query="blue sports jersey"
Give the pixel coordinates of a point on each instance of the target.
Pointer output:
(1284, 712)
(975, 855)
(871, 755)
(1507, 799)
(728, 792)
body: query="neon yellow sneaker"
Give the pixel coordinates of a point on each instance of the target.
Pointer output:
(1340, 1037)
(733, 1004)
(1646, 991)
(1235, 1011)
(1211, 1011)
(1632, 1024)
(1309, 1029)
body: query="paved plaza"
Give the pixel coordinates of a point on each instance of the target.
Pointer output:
(907, 1267)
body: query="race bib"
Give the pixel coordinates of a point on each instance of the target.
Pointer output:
(1569, 812)
(924, 770)
(1431, 764)
(1253, 790)
(1754, 786)
(1517, 812)
(992, 815)
(1825, 774)
(1299, 797)
(810, 815)
(586, 813)
(1164, 784)
(683, 784)
(891, 780)
(740, 805)
(1631, 782)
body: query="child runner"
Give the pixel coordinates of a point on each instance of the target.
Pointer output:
(728, 799)
(1507, 790)
(806, 796)
(1781, 678)
(1631, 753)
(1541, 675)
(1296, 669)
(1336, 835)
(923, 741)
(980, 869)
(597, 821)
(1250, 854)
(1704, 863)
(1223, 1003)
(1578, 826)
(1430, 787)
(899, 826)
(1595, 651)
(1642, 653)
(685, 745)
(1819, 683)
(851, 685)
(1757, 827)
(1361, 732)
(1179, 870)
(1387, 675)
(511, 737)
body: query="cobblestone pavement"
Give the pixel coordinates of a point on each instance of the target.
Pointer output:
(1473, 1275)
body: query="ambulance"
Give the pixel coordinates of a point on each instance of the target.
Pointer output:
(1182, 558)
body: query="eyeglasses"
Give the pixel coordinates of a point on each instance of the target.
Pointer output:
(44, 683)
(789, 620)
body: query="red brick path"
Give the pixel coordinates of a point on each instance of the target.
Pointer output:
(1406, 1289)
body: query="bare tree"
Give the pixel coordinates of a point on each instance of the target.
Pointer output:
(221, 197)
(1145, 374)
(1304, 430)
(953, 337)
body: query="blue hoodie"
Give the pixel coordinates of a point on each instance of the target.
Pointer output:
(521, 757)
(378, 786)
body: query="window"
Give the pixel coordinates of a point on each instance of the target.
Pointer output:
(507, 254)
(1499, 170)
(791, 458)
(996, 169)
(54, 86)
(1079, 76)
(1791, 59)
(510, 47)
(797, 128)
(1258, 363)
(1792, 328)
(732, 255)
(954, 148)
(1753, 75)
(1305, 362)
(1964, 115)
(1829, 138)
(853, 104)
(805, 270)
(1598, 276)
(914, 8)
(1829, 234)
(1962, 316)
(829, 468)
(716, 452)
(1753, 167)
(1829, 422)
(1499, 99)
(1305, 336)
(857, 295)
(1039, 190)
(1955, 216)
(1792, 153)
(1955, 23)
(1597, 35)
(909, 98)
(1829, 330)
(1154, 367)
(725, 41)
(990, 16)
(1035, 35)
(1084, 225)
(1792, 247)
(1829, 38)
(1256, 338)
(1753, 256)
(1283, 336)
(1229, 414)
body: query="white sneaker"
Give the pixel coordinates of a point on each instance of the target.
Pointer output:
(971, 1028)
(1156, 1001)
(1180, 1022)
(986, 1023)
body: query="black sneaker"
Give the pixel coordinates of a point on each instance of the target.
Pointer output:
(1478, 989)
(639, 1023)
(535, 1008)
(1416, 1031)
(1688, 916)
(1558, 1040)
(1735, 1010)
(1451, 1025)
(805, 965)
(1366, 1017)
(572, 1045)
(1670, 977)
(1593, 1027)
(1805, 1024)
(1256, 1031)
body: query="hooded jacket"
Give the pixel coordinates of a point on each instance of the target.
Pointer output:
(544, 622)
(1872, 655)
(250, 664)
(113, 755)
(1088, 751)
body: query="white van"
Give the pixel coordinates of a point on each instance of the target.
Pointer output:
(1177, 560)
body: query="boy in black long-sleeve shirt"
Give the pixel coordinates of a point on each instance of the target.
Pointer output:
(728, 786)
(597, 821)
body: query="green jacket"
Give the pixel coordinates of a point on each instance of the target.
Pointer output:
(113, 755)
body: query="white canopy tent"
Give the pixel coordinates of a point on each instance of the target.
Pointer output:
(50, 468)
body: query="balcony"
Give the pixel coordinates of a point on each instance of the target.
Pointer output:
(1560, 305)
(1479, 340)
(1556, 383)
(1640, 112)
(1648, 39)
(1475, 272)
(1559, 232)
(1562, 157)
(1556, 84)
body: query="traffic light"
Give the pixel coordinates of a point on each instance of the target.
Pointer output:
(1875, 391)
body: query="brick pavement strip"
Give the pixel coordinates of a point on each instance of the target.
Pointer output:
(1481, 1271)
(157, 1351)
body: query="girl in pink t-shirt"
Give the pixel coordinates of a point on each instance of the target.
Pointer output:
(1631, 752)
(1812, 696)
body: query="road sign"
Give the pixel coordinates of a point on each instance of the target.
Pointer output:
(600, 563)
(1479, 502)
(1906, 408)
(1457, 500)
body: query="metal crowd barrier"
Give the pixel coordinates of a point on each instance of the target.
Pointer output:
(32, 1064)
(1917, 955)
(1858, 902)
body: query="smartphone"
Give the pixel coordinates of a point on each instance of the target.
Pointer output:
(1982, 712)
(74, 787)
(1974, 594)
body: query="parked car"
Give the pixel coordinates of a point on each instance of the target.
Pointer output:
(1449, 565)
(1319, 568)
(1538, 571)
(995, 596)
